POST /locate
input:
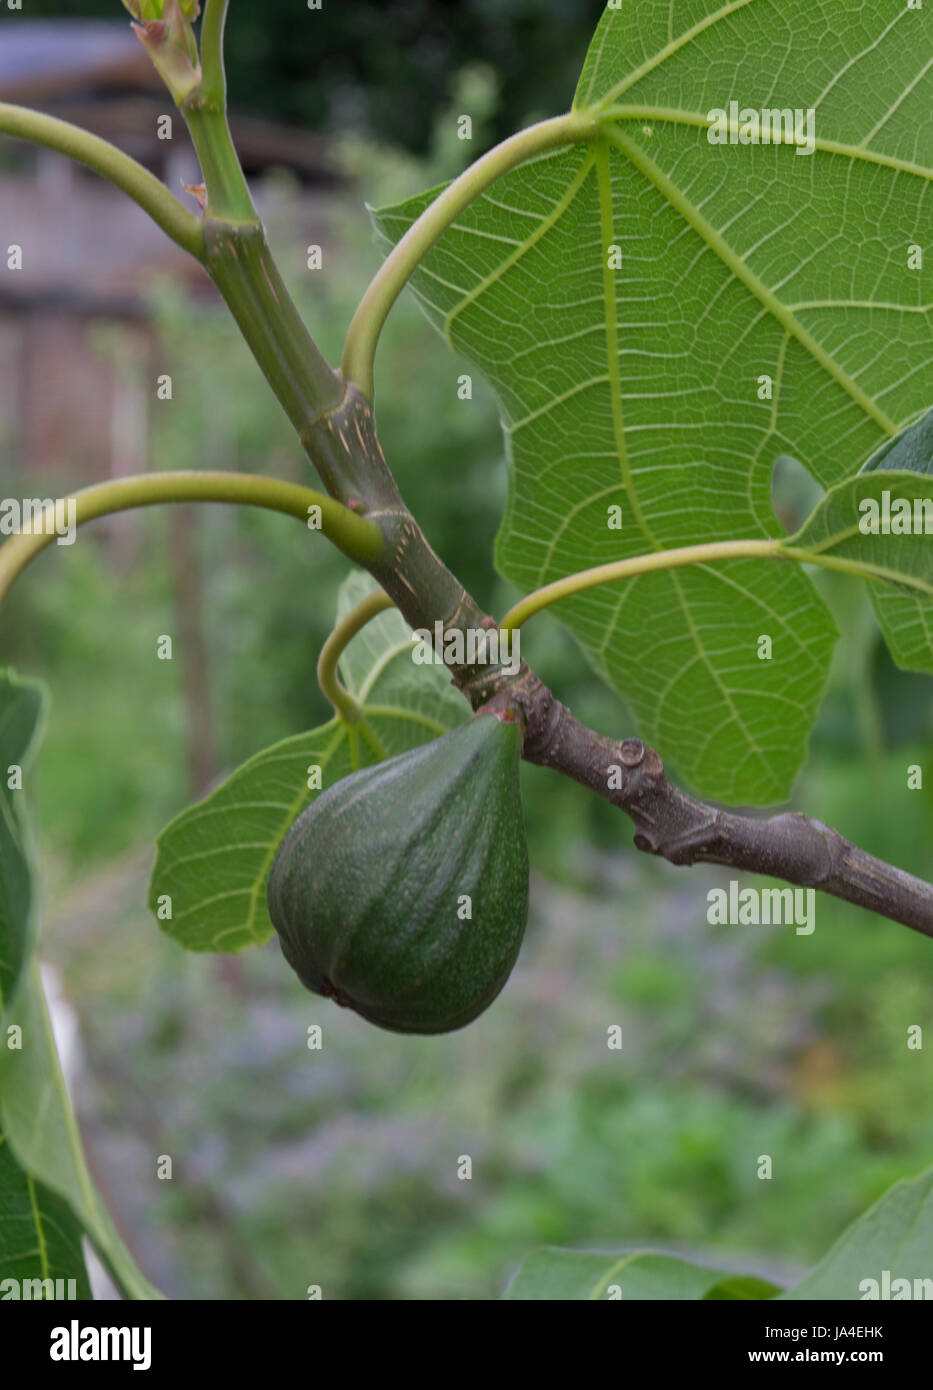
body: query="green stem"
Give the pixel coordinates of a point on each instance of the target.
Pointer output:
(214, 79)
(638, 564)
(205, 113)
(237, 254)
(228, 195)
(363, 334)
(105, 159)
(358, 538)
(241, 265)
(341, 699)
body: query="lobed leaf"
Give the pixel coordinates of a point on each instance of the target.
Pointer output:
(646, 386)
(214, 859)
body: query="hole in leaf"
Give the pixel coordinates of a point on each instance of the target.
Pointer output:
(794, 492)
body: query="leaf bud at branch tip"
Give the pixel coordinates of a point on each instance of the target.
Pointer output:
(146, 10)
(163, 28)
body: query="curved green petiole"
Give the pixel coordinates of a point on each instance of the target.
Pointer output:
(343, 702)
(389, 281)
(358, 538)
(638, 564)
(709, 553)
(153, 197)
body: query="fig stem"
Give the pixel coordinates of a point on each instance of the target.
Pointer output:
(346, 705)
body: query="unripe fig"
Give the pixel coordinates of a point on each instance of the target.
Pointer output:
(402, 892)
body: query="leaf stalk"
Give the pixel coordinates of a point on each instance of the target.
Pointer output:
(345, 706)
(389, 281)
(183, 226)
(358, 538)
(633, 567)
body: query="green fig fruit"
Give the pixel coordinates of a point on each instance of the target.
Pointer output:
(402, 892)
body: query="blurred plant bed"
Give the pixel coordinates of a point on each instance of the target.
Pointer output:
(339, 1167)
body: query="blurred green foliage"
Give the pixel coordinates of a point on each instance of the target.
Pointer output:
(338, 1167)
(373, 67)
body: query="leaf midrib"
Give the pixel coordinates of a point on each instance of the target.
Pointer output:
(611, 315)
(42, 1249)
(742, 272)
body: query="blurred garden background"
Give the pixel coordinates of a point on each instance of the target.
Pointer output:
(339, 1167)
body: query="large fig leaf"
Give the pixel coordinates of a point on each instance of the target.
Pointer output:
(47, 1198)
(663, 316)
(214, 859)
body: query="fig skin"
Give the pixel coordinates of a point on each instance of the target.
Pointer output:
(367, 890)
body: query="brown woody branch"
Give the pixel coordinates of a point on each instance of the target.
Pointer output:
(684, 830)
(668, 822)
(335, 424)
